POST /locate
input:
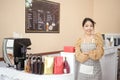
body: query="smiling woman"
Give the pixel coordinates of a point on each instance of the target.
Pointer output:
(88, 51)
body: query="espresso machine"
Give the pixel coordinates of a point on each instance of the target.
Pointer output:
(14, 51)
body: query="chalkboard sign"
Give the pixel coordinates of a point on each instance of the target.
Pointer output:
(42, 16)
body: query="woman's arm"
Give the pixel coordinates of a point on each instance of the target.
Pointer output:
(99, 51)
(81, 57)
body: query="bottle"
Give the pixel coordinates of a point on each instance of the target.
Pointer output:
(66, 66)
(47, 26)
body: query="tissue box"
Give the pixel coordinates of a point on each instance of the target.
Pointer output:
(69, 49)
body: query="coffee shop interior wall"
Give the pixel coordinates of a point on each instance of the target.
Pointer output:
(106, 13)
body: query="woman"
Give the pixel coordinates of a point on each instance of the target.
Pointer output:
(88, 51)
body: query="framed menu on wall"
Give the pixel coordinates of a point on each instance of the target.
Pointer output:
(42, 16)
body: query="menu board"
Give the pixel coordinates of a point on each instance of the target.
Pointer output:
(42, 16)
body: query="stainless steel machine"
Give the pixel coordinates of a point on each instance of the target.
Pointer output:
(14, 51)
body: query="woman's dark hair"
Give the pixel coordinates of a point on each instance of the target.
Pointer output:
(88, 19)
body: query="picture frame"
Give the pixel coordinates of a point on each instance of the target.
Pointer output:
(42, 16)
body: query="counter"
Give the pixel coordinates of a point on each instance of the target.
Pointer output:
(12, 74)
(108, 63)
